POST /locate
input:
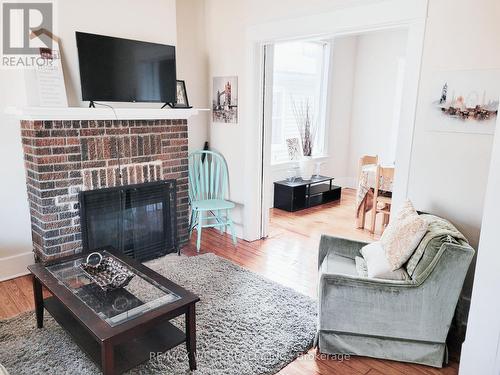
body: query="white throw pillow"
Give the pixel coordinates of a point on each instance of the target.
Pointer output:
(402, 235)
(377, 264)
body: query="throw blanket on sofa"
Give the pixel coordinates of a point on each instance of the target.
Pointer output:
(439, 231)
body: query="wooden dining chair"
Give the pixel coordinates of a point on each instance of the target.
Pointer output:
(364, 160)
(384, 178)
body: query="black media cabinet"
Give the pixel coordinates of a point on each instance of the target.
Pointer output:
(300, 194)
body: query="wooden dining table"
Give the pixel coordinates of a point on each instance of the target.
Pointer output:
(364, 194)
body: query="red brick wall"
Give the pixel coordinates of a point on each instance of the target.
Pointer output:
(64, 157)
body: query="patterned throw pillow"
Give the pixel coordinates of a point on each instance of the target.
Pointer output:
(402, 235)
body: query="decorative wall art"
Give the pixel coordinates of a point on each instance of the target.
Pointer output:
(225, 100)
(464, 101)
(45, 82)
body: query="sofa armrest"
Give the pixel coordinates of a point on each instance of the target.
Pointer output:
(381, 285)
(341, 246)
(371, 307)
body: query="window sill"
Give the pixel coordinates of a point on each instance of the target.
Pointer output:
(283, 164)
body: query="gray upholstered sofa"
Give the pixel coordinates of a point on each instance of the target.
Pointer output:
(400, 320)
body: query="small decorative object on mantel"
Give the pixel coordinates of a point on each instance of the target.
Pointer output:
(465, 101)
(106, 272)
(225, 100)
(182, 98)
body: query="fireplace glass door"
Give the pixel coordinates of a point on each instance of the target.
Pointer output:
(137, 220)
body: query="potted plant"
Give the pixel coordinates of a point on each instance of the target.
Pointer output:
(304, 119)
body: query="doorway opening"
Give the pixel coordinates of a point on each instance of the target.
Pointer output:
(327, 102)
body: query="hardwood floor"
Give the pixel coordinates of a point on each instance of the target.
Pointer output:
(288, 256)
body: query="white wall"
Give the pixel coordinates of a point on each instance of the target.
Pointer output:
(480, 352)
(343, 68)
(15, 226)
(375, 82)
(150, 20)
(450, 170)
(192, 66)
(363, 84)
(225, 22)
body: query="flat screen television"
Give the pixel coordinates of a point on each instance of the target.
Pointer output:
(124, 70)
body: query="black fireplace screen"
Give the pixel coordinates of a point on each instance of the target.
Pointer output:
(137, 220)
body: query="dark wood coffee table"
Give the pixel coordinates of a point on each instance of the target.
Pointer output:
(118, 329)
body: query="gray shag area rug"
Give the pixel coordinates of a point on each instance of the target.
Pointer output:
(246, 324)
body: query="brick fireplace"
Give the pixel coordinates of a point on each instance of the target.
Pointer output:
(64, 157)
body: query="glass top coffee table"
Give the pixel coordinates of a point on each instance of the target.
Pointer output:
(121, 328)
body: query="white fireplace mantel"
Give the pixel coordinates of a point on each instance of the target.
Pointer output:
(104, 113)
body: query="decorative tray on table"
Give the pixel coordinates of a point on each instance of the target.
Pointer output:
(108, 273)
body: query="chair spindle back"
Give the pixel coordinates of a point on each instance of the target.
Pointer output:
(208, 176)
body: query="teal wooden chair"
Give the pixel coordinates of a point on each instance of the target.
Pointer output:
(208, 190)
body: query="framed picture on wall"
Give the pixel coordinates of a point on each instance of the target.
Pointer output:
(462, 101)
(225, 100)
(182, 98)
(181, 95)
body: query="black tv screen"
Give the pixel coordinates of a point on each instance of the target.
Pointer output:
(124, 70)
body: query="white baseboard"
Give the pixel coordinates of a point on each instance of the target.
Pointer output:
(238, 230)
(346, 182)
(15, 265)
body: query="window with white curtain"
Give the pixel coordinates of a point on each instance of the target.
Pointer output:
(300, 81)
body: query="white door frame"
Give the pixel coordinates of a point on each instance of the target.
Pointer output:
(481, 348)
(410, 14)
(267, 109)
